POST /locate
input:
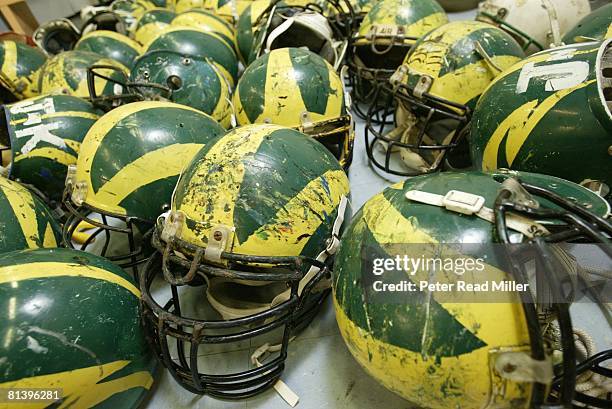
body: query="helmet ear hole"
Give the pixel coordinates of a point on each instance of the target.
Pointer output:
(174, 82)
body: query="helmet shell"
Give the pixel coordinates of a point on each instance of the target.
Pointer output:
(559, 126)
(110, 45)
(278, 207)
(151, 24)
(66, 73)
(207, 21)
(597, 26)
(97, 355)
(194, 81)
(45, 135)
(458, 5)
(20, 65)
(131, 158)
(196, 42)
(27, 223)
(433, 353)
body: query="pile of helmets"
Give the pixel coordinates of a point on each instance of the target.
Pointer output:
(174, 183)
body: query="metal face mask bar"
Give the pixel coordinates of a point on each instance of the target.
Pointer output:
(165, 323)
(580, 225)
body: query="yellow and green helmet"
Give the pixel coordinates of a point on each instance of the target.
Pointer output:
(110, 44)
(27, 223)
(552, 115)
(131, 10)
(67, 73)
(73, 326)
(200, 43)
(181, 6)
(454, 347)
(257, 214)
(127, 168)
(596, 26)
(44, 135)
(19, 69)
(151, 23)
(188, 80)
(298, 89)
(432, 95)
(207, 21)
(387, 33)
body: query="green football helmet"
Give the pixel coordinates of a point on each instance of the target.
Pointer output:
(44, 135)
(72, 325)
(67, 73)
(127, 168)
(552, 115)
(298, 89)
(207, 21)
(256, 215)
(447, 347)
(193, 81)
(200, 43)
(151, 24)
(111, 45)
(597, 26)
(385, 36)
(19, 69)
(26, 223)
(418, 120)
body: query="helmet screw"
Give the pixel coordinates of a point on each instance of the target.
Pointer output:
(509, 368)
(217, 235)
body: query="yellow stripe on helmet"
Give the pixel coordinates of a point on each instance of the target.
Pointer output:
(52, 153)
(64, 114)
(36, 270)
(9, 65)
(84, 387)
(295, 221)
(517, 127)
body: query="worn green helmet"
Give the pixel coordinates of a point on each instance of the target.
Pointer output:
(19, 69)
(67, 73)
(597, 26)
(552, 115)
(151, 24)
(44, 135)
(418, 120)
(188, 80)
(73, 326)
(127, 168)
(200, 43)
(110, 44)
(26, 223)
(245, 30)
(256, 215)
(453, 228)
(207, 21)
(385, 36)
(297, 88)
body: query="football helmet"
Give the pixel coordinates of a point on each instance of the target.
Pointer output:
(552, 115)
(103, 18)
(27, 223)
(461, 349)
(193, 81)
(44, 135)
(517, 17)
(300, 26)
(73, 324)
(111, 45)
(131, 10)
(258, 229)
(432, 95)
(458, 5)
(297, 88)
(181, 6)
(151, 24)
(67, 73)
(56, 36)
(200, 43)
(207, 21)
(597, 26)
(19, 69)
(384, 38)
(127, 168)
